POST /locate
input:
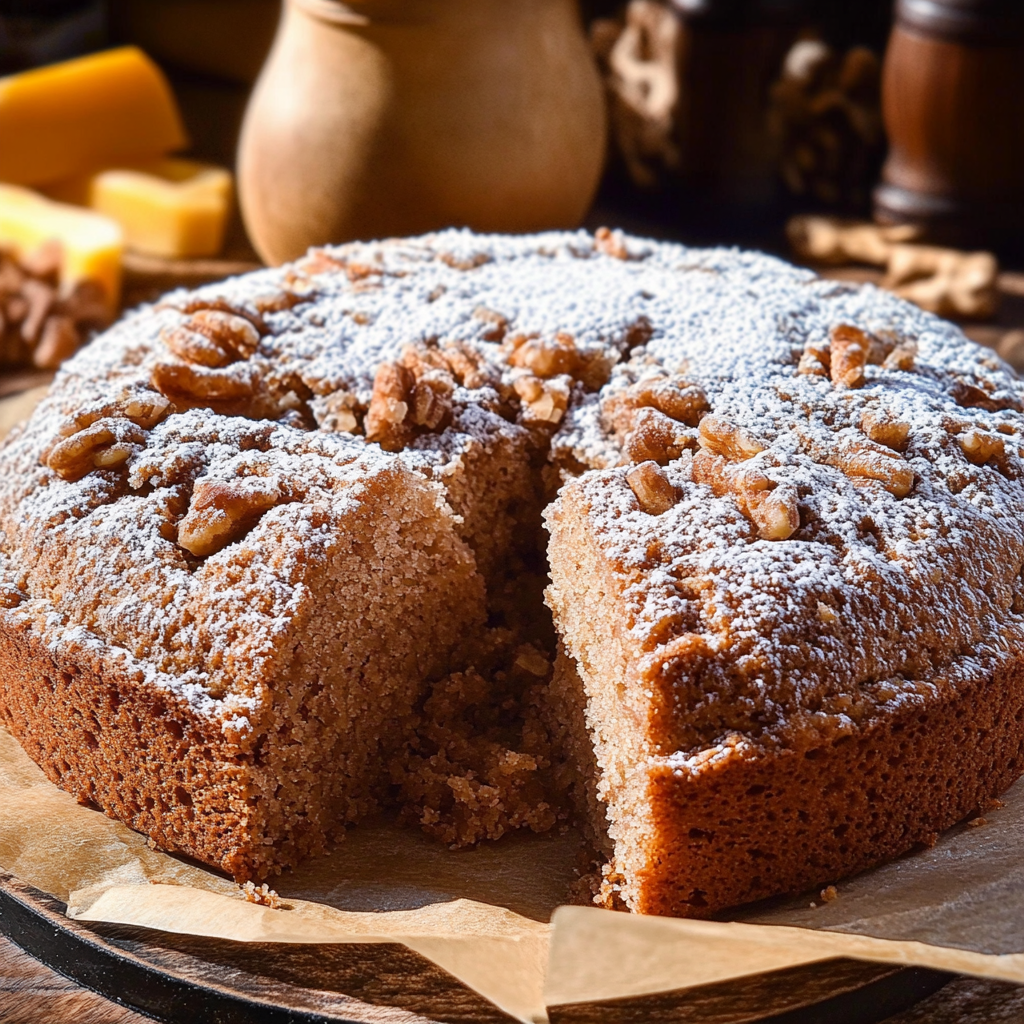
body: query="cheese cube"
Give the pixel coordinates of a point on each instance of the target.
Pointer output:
(90, 243)
(170, 208)
(108, 108)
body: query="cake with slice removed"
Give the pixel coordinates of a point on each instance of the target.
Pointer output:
(272, 556)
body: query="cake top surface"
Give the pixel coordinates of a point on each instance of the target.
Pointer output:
(818, 481)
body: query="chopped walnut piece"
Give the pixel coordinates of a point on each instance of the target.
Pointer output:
(414, 392)
(772, 508)
(721, 437)
(848, 356)
(144, 408)
(498, 323)
(675, 397)
(544, 401)
(980, 447)
(278, 301)
(235, 334)
(885, 428)
(545, 357)
(336, 412)
(881, 345)
(467, 366)
(970, 396)
(59, 340)
(775, 512)
(827, 614)
(104, 435)
(192, 304)
(103, 444)
(432, 399)
(815, 360)
(194, 347)
(212, 338)
(901, 357)
(471, 262)
(652, 488)
(319, 261)
(656, 437)
(221, 512)
(869, 461)
(389, 406)
(202, 384)
(529, 659)
(611, 243)
(39, 298)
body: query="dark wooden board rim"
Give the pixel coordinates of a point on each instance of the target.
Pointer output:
(104, 960)
(37, 923)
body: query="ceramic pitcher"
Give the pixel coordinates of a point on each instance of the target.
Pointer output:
(376, 118)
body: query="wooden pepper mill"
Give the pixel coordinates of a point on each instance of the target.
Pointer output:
(953, 104)
(730, 52)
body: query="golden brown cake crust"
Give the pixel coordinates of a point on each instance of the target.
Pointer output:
(157, 759)
(743, 825)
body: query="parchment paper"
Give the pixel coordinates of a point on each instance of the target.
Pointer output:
(482, 914)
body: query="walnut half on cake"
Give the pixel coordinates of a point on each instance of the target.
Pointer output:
(271, 547)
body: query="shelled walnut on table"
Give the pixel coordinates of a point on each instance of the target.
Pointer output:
(42, 324)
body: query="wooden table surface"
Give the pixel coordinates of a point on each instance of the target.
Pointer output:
(31, 993)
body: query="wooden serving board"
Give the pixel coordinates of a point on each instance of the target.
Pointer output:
(186, 978)
(179, 978)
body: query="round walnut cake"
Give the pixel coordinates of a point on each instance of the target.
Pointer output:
(718, 559)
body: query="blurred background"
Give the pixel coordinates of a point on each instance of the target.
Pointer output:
(875, 140)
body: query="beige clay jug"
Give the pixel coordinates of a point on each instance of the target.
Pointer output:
(376, 118)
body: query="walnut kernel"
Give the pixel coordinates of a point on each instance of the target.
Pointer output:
(414, 392)
(869, 461)
(611, 243)
(720, 436)
(221, 512)
(656, 437)
(545, 357)
(544, 401)
(652, 488)
(815, 360)
(980, 446)
(191, 383)
(336, 412)
(901, 357)
(389, 406)
(103, 444)
(848, 356)
(885, 428)
(772, 508)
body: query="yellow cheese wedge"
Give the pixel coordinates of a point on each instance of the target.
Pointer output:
(171, 208)
(91, 244)
(108, 108)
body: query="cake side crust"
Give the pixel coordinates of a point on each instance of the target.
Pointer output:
(149, 758)
(735, 824)
(752, 825)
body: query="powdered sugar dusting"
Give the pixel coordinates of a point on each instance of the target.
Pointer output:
(918, 591)
(875, 598)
